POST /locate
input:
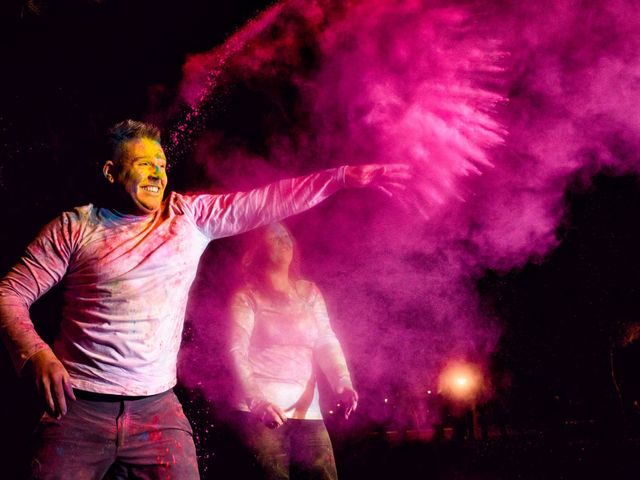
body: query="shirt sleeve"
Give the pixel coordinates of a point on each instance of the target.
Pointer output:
(43, 264)
(327, 350)
(241, 329)
(224, 215)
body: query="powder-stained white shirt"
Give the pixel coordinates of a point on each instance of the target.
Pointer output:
(126, 280)
(275, 346)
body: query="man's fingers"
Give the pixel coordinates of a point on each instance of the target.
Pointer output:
(58, 395)
(67, 387)
(399, 167)
(389, 173)
(45, 392)
(52, 381)
(398, 171)
(373, 174)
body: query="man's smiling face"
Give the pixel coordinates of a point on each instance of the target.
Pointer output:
(142, 171)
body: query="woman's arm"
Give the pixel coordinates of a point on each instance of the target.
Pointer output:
(241, 329)
(330, 357)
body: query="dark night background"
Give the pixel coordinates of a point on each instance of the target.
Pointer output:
(72, 68)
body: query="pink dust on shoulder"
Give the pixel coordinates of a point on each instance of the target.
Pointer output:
(425, 84)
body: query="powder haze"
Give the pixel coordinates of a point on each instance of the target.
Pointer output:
(422, 83)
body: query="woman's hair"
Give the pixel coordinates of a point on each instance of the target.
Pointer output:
(253, 260)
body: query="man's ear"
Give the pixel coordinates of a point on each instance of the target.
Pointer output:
(108, 170)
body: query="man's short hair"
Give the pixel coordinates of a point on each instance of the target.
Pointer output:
(127, 130)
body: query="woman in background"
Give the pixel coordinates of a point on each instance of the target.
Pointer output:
(280, 333)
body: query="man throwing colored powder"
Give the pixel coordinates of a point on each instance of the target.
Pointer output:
(127, 268)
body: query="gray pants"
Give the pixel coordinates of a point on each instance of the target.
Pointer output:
(300, 449)
(116, 438)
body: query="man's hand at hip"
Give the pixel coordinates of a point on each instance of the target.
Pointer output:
(52, 381)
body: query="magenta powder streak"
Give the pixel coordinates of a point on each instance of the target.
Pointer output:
(217, 59)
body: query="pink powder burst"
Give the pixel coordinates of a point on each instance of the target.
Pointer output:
(421, 83)
(375, 96)
(401, 82)
(396, 290)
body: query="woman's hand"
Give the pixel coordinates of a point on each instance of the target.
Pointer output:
(349, 398)
(270, 414)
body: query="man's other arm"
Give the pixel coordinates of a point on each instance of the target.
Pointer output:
(43, 264)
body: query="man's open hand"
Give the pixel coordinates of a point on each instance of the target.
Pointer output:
(52, 381)
(396, 180)
(387, 178)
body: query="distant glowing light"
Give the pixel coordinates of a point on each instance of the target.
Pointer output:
(386, 400)
(460, 381)
(428, 392)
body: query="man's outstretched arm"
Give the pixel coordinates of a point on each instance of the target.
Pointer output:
(229, 214)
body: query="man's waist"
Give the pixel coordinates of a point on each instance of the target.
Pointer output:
(108, 397)
(118, 386)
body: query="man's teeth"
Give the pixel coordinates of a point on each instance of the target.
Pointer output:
(151, 189)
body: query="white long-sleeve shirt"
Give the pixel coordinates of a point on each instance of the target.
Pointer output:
(274, 347)
(126, 280)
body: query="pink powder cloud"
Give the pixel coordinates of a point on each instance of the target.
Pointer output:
(423, 83)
